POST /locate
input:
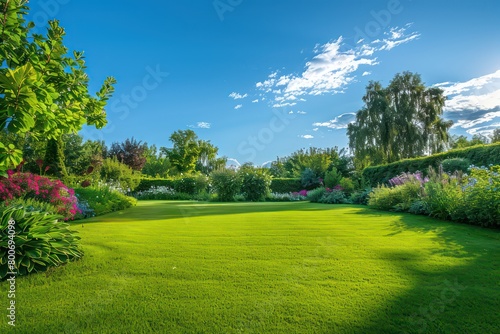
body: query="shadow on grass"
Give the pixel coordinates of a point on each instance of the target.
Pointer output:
(163, 210)
(446, 299)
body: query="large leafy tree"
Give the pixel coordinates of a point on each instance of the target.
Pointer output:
(400, 121)
(43, 89)
(131, 153)
(190, 154)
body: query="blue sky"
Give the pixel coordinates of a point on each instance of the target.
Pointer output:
(261, 79)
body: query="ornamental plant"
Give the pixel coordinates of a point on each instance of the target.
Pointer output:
(30, 186)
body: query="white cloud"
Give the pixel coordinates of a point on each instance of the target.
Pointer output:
(333, 67)
(201, 125)
(239, 106)
(315, 129)
(339, 122)
(307, 136)
(237, 96)
(366, 73)
(301, 112)
(255, 101)
(474, 103)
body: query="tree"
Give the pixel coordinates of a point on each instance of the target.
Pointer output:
(495, 136)
(54, 158)
(131, 153)
(157, 164)
(43, 90)
(463, 141)
(398, 122)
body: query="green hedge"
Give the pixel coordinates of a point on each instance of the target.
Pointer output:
(283, 186)
(480, 155)
(187, 185)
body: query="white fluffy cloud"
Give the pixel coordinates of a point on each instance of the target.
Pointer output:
(307, 136)
(239, 106)
(201, 125)
(333, 67)
(237, 96)
(474, 105)
(339, 122)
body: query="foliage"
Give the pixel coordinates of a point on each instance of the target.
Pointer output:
(347, 185)
(483, 155)
(316, 194)
(332, 178)
(147, 184)
(114, 171)
(445, 198)
(43, 87)
(360, 196)
(31, 204)
(54, 158)
(38, 239)
(131, 153)
(285, 197)
(463, 141)
(189, 154)
(255, 183)
(456, 164)
(226, 184)
(26, 185)
(482, 196)
(398, 122)
(398, 198)
(309, 179)
(285, 185)
(157, 164)
(102, 199)
(334, 197)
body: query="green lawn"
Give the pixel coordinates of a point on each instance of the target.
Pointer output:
(184, 267)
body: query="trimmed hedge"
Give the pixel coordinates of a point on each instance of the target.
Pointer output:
(480, 155)
(186, 185)
(284, 186)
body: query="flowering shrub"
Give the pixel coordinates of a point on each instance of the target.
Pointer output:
(40, 188)
(286, 197)
(408, 177)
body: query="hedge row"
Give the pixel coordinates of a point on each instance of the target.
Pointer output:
(187, 185)
(480, 155)
(283, 186)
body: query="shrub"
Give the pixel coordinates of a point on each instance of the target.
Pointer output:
(481, 155)
(398, 198)
(255, 184)
(41, 241)
(309, 179)
(103, 199)
(347, 185)
(360, 196)
(482, 196)
(419, 207)
(225, 184)
(283, 185)
(40, 188)
(287, 197)
(456, 164)
(114, 171)
(316, 194)
(146, 184)
(332, 178)
(333, 197)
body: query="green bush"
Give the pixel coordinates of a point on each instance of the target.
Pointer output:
(445, 200)
(332, 178)
(255, 184)
(103, 200)
(147, 184)
(456, 164)
(482, 196)
(226, 184)
(309, 179)
(360, 196)
(399, 198)
(481, 155)
(114, 171)
(347, 185)
(316, 194)
(334, 197)
(285, 185)
(34, 240)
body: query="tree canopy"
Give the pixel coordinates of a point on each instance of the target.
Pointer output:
(43, 89)
(400, 121)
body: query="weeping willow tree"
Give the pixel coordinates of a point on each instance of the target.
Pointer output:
(400, 121)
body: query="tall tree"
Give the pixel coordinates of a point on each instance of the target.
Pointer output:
(495, 136)
(400, 121)
(185, 153)
(43, 90)
(131, 153)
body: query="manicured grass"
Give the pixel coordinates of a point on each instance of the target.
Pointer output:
(184, 267)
